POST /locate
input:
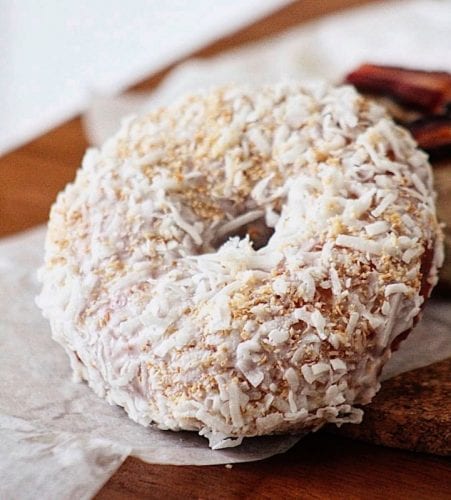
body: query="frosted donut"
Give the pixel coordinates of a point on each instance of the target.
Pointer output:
(165, 311)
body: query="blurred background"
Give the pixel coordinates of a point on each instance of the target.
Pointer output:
(54, 54)
(69, 70)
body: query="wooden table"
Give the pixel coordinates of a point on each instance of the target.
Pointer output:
(321, 465)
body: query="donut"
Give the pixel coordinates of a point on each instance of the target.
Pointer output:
(242, 262)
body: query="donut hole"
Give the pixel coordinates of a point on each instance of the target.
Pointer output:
(258, 232)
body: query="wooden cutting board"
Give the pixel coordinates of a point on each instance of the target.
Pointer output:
(411, 411)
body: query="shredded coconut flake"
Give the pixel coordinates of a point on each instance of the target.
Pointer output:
(376, 228)
(360, 244)
(396, 288)
(182, 329)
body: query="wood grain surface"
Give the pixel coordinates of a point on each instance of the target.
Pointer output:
(321, 465)
(318, 467)
(411, 411)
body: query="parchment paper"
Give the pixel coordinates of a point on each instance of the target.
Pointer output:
(59, 440)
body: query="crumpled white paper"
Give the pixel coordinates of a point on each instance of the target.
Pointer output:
(59, 440)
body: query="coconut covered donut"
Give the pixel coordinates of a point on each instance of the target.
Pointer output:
(155, 286)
